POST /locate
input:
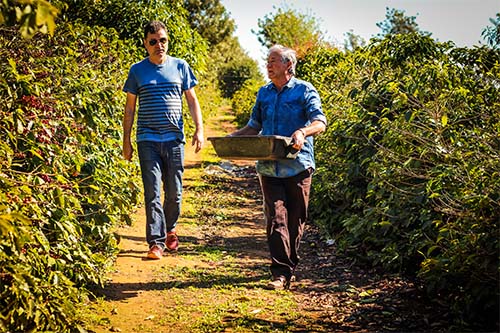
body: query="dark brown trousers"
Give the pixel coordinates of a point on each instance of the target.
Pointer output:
(285, 210)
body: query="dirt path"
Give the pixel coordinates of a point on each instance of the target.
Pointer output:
(215, 282)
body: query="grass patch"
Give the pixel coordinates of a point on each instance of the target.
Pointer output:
(230, 310)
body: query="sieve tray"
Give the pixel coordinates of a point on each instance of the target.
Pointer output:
(254, 147)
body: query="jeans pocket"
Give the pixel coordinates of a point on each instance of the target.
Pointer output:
(178, 155)
(147, 150)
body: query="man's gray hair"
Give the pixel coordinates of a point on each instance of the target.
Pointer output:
(287, 54)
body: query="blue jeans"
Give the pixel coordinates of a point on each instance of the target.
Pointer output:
(162, 164)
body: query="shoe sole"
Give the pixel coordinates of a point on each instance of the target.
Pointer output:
(153, 257)
(273, 287)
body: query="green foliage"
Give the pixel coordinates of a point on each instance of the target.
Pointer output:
(320, 67)
(63, 182)
(233, 75)
(243, 101)
(408, 168)
(128, 19)
(230, 66)
(35, 294)
(31, 16)
(288, 27)
(210, 19)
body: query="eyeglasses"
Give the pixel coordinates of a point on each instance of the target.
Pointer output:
(153, 42)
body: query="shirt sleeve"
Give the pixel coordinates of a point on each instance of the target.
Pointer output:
(189, 79)
(131, 85)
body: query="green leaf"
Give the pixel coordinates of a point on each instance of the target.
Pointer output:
(444, 120)
(59, 196)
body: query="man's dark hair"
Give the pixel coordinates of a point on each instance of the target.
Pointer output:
(153, 27)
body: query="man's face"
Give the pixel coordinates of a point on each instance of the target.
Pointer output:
(275, 66)
(157, 44)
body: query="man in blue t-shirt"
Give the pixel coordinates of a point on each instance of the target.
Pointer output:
(157, 83)
(290, 107)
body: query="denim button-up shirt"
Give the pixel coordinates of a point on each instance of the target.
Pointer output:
(282, 113)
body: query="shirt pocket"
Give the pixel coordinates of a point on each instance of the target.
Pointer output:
(293, 113)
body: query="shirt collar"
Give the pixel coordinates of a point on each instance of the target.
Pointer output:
(288, 85)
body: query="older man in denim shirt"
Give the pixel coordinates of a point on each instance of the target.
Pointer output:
(290, 107)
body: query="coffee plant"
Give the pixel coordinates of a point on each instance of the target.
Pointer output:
(63, 182)
(408, 169)
(243, 100)
(31, 16)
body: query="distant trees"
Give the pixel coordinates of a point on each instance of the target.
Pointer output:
(233, 75)
(210, 19)
(290, 28)
(397, 22)
(492, 33)
(229, 64)
(353, 41)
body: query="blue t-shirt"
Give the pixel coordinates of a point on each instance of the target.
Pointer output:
(160, 88)
(281, 113)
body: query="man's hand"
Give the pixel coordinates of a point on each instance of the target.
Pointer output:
(127, 151)
(299, 137)
(197, 141)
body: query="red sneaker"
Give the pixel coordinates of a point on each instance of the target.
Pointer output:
(172, 242)
(155, 252)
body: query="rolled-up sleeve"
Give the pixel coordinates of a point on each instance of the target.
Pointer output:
(313, 105)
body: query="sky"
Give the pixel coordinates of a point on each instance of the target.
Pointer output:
(460, 21)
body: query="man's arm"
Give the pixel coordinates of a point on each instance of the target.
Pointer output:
(299, 136)
(247, 130)
(195, 111)
(128, 121)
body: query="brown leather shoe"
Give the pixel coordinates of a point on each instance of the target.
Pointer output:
(278, 283)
